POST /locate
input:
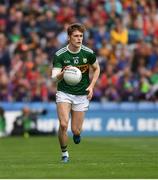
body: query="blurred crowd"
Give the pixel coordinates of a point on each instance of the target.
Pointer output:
(123, 34)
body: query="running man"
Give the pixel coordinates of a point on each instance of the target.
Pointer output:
(73, 101)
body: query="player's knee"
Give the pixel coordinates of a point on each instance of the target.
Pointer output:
(63, 126)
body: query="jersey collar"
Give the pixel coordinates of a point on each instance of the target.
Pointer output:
(73, 51)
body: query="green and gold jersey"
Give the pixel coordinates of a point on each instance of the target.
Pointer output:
(81, 59)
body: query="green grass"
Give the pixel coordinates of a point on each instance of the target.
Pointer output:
(39, 157)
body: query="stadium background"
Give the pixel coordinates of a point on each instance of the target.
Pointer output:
(124, 36)
(124, 110)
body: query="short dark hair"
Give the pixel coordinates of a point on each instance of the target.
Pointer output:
(74, 27)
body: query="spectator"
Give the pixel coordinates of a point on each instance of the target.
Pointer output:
(113, 5)
(25, 123)
(5, 58)
(123, 33)
(119, 34)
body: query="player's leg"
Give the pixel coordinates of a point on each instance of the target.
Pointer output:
(79, 107)
(77, 118)
(63, 110)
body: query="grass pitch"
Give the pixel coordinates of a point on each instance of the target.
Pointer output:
(39, 157)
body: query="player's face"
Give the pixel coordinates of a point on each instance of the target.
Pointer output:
(76, 38)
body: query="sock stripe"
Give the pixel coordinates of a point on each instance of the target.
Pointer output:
(64, 148)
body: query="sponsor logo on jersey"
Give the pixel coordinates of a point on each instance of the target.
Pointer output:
(66, 61)
(83, 68)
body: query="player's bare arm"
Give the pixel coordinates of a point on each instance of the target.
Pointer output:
(96, 71)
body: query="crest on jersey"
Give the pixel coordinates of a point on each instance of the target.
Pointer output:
(85, 60)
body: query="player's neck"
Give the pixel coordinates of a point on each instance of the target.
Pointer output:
(73, 49)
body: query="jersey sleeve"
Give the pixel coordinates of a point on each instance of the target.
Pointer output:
(92, 58)
(57, 61)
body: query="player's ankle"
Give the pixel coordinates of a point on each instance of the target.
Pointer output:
(64, 151)
(65, 154)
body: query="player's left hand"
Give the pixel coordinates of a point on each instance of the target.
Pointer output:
(90, 92)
